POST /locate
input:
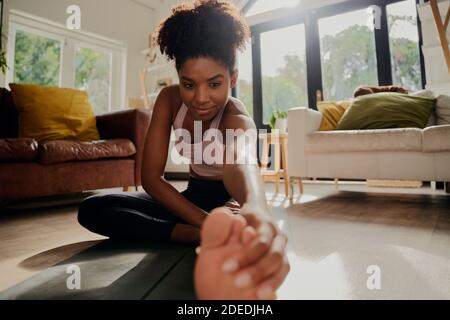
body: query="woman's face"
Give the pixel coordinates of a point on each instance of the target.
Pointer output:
(204, 86)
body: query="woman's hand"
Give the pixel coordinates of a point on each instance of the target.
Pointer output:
(263, 261)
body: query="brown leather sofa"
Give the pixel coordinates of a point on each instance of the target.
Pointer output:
(32, 169)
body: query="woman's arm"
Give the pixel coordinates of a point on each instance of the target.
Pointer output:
(155, 158)
(265, 257)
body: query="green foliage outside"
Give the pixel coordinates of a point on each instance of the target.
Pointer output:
(348, 61)
(92, 73)
(405, 57)
(37, 59)
(3, 65)
(246, 94)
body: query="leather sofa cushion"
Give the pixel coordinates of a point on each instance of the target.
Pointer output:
(436, 139)
(18, 149)
(403, 139)
(364, 90)
(67, 150)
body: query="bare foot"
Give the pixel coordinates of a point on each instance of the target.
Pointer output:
(223, 234)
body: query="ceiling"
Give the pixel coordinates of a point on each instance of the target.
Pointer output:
(151, 4)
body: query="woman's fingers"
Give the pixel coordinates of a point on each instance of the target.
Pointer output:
(266, 267)
(248, 235)
(255, 250)
(267, 289)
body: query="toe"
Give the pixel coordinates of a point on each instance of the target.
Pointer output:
(239, 224)
(217, 228)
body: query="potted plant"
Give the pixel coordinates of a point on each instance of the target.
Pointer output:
(278, 120)
(3, 64)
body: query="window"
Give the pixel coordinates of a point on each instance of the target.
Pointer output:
(66, 58)
(283, 68)
(261, 6)
(342, 52)
(93, 74)
(245, 80)
(348, 55)
(404, 45)
(37, 59)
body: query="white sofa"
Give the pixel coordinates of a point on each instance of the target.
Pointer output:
(391, 154)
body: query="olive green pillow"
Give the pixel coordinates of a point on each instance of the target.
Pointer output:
(387, 110)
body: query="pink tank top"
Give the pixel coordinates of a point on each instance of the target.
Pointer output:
(202, 153)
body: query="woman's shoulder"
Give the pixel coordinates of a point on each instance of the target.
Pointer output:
(172, 99)
(237, 107)
(171, 93)
(236, 114)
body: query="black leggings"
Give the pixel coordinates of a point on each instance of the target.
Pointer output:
(136, 216)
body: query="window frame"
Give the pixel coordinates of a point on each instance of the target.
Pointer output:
(79, 44)
(310, 18)
(71, 39)
(13, 29)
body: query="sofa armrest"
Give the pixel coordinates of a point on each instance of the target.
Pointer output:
(130, 124)
(301, 122)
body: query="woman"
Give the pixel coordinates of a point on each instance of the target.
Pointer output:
(202, 37)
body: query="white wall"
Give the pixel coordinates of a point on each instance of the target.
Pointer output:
(121, 20)
(438, 79)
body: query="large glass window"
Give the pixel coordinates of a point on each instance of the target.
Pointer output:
(37, 59)
(245, 81)
(283, 67)
(93, 74)
(60, 57)
(261, 6)
(404, 44)
(348, 55)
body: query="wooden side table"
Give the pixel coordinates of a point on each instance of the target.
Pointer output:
(280, 167)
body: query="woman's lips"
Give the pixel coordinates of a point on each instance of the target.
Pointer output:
(203, 112)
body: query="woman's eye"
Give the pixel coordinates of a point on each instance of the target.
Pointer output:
(215, 84)
(188, 86)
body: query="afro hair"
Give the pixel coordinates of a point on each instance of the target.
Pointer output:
(203, 28)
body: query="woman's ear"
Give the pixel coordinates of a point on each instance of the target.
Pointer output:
(234, 78)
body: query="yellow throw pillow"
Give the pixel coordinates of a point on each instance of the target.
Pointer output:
(332, 112)
(51, 113)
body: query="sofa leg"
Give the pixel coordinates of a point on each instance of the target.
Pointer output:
(126, 189)
(300, 185)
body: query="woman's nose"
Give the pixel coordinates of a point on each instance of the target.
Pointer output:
(201, 96)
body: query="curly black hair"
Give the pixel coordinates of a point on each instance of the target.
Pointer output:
(203, 28)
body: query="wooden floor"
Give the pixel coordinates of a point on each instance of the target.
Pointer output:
(335, 235)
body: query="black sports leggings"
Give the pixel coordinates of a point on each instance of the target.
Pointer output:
(136, 216)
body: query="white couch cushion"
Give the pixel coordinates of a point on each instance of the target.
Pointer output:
(436, 139)
(443, 110)
(404, 139)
